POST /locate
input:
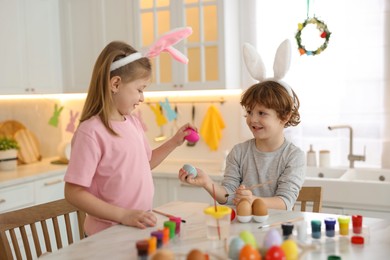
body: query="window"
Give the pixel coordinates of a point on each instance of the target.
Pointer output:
(345, 84)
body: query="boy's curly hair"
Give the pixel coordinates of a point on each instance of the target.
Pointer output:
(273, 95)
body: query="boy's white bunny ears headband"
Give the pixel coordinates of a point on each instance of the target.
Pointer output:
(256, 67)
(164, 43)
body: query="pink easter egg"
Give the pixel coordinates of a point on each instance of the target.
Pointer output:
(193, 136)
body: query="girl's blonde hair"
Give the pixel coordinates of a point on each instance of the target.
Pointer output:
(99, 100)
(272, 95)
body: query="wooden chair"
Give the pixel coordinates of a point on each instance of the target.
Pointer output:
(32, 217)
(312, 195)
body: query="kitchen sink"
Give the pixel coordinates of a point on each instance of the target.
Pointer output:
(372, 175)
(326, 173)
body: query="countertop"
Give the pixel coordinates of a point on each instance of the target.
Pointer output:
(118, 242)
(44, 168)
(31, 172)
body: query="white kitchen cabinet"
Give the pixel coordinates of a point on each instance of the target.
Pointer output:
(88, 26)
(30, 47)
(169, 189)
(213, 48)
(16, 197)
(184, 192)
(49, 189)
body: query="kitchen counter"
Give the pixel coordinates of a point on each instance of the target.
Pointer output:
(31, 172)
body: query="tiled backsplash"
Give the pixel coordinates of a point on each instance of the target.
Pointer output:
(35, 114)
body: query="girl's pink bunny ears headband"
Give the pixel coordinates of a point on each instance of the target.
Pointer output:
(164, 43)
(256, 67)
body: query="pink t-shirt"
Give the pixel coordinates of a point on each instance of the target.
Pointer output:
(115, 169)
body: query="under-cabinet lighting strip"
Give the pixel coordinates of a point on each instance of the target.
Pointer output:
(206, 94)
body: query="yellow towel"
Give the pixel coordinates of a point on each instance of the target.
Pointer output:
(211, 129)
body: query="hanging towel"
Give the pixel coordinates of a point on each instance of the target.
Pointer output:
(160, 118)
(211, 129)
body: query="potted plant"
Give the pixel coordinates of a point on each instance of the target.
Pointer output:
(8, 153)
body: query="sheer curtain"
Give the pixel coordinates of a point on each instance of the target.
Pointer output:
(345, 84)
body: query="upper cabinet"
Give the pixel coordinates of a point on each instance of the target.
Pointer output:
(30, 47)
(50, 46)
(212, 49)
(87, 27)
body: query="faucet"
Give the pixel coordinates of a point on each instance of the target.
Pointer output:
(351, 157)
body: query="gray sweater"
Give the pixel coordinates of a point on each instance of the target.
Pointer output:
(285, 167)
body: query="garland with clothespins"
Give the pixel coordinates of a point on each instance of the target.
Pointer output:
(323, 33)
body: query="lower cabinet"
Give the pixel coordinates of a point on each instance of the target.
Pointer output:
(171, 189)
(49, 189)
(17, 196)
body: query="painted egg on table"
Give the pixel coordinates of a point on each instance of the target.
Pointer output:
(233, 215)
(290, 249)
(272, 238)
(196, 254)
(163, 254)
(275, 253)
(235, 246)
(248, 252)
(259, 210)
(248, 238)
(190, 169)
(244, 210)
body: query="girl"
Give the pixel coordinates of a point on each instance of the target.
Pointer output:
(267, 158)
(109, 173)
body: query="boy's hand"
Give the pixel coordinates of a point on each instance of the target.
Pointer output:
(139, 218)
(242, 193)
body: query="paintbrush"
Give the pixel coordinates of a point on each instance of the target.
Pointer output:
(250, 187)
(166, 215)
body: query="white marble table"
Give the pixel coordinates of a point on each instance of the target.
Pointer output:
(118, 242)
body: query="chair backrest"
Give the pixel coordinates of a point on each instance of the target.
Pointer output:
(28, 219)
(313, 195)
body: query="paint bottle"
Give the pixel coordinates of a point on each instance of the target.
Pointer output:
(357, 223)
(142, 249)
(172, 228)
(344, 225)
(177, 220)
(287, 229)
(330, 226)
(316, 229)
(159, 237)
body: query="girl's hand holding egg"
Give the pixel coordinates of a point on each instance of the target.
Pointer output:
(193, 135)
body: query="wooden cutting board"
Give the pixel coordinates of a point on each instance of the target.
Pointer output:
(10, 127)
(29, 150)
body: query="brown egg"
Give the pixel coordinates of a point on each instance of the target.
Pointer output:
(259, 208)
(244, 208)
(196, 254)
(163, 254)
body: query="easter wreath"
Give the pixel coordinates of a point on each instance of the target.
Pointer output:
(324, 33)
